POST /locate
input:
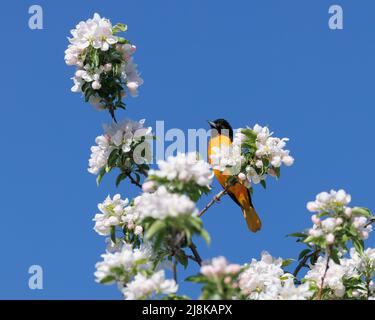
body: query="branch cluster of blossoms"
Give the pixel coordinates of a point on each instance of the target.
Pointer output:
(117, 213)
(163, 218)
(155, 230)
(254, 154)
(333, 218)
(184, 173)
(125, 145)
(266, 280)
(131, 269)
(104, 63)
(335, 271)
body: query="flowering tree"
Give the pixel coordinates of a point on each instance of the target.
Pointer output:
(155, 230)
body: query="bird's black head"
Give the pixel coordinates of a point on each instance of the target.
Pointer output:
(222, 126)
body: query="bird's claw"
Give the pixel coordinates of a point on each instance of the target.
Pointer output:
(216, 199)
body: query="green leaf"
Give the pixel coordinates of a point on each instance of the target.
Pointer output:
(113, 158)
(334, 256)
(263, 183)
(120, 27)
(107, 280)
(120, 177)
(358, 211)
(358, 245)
(287, 262)
(308, 239)
(197, 279)
(182, 258)
(205, 235)
(297, 235)
(156, 227)
(277, 171)
(113, 234)
(100, 176)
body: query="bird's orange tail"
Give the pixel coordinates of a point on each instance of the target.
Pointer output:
(252, 219)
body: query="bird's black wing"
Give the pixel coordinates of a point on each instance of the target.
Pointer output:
(236, 201)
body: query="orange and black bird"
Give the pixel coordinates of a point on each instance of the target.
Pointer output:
(222, 135)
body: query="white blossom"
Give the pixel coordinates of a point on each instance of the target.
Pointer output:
(116, 212)
(365, 262)
(143, 287)
(99, 154)
(96, 32)
(272, 148)
(186, 168)
(325, 201)
(335, 275)
(124, 260)
(266, 280)
(124, 135)
(335, 204)
(227, 159)
(162, 204)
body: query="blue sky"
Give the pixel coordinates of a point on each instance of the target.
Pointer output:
(271, 62)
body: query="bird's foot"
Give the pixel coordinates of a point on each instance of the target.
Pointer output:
(216, 199)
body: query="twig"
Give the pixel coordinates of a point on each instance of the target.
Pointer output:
(133, 181)
(197, 257)
(216, 198)
(192, 258)
(174, 268)
(320, 293)
(112, 112)
(372, 220)
(302, 263)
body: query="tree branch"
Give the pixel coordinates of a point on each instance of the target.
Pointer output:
(216, 198)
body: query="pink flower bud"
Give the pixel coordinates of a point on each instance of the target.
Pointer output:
(148, 186)
(330, 238)
(315, 219)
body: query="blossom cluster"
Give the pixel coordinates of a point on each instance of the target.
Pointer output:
(185, 168)
(352, 278)
(162, 204)
(143, 286)
(123, 264)
(131, 268)
(183, 173)
(219, 266)
(219, 279)
(333, 218)
(116, 213)
(254, 154)
(104, 62)
(266, 280)
(124, 145)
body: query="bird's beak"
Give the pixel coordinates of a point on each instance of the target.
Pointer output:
(212, 124)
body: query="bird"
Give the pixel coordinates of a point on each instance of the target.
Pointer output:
(222, 135)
